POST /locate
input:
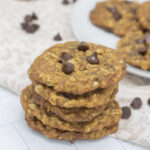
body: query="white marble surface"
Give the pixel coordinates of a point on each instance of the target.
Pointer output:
(16, 135)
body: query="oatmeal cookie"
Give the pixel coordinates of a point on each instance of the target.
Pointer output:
(118, 17)
(135, 48)
(77, 68)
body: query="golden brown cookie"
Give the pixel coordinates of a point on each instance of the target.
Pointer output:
(135, 48)
(109, 117)
(77, 68)
(143, 14)
(118, 17)
(81, 114)
(92, 99)
(53, 133)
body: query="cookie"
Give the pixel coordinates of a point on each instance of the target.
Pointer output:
(77, 68)
(70, 114)
(53, 133)
(135, 48)
(92, 99)
(118, 17)
(143, 14)
(110, 116)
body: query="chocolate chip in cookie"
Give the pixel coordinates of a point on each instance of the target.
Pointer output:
(66, 56)
(83, 46)
(93, 59)
(57, 37)
(140, 41)
(126, 112)
(115, 13)
(143, 50)
(67, 67)
(136, 103)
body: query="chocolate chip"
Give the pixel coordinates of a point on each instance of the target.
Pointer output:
(136, 103)
(117, 16)
(142, 51)
(66, 56)
(24, 25)
(140, 41)
(148, 102)
(28, 18)
(69, 96)
(114, 11)
(148, 38)
(34, 16)
(32, 28)
(67, 67)
(65, 2)
(83, 46)
(126, 112)
(57, 37)
(93, 59)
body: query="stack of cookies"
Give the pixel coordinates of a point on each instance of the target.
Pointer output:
(73, 91)
(131, 21)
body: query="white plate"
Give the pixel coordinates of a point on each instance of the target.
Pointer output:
(85, 31)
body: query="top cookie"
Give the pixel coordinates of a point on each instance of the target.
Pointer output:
(118, 17)
(143, 14)
(77, 68)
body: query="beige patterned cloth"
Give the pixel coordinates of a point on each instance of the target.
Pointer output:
(18, 49)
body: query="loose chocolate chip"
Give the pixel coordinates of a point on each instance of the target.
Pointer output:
(67, 67)
(74, 0)
(148, 102)
(57, 37)
(66, 56)
(83, 46)
(32, 28)
(126, 112)
(142, 51)
(136, 103)
(65, 2)
(116, 14)
(93, 59)
(140, 41)
(28, 18)
(24, 25)
(34, 16)
(148, 38)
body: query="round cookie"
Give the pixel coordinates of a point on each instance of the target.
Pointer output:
(70, 114)
(92, 99)
(109, 117)
(135, 48)
(53, 133)
(118, 17)
(77, 68)
(143, 14)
